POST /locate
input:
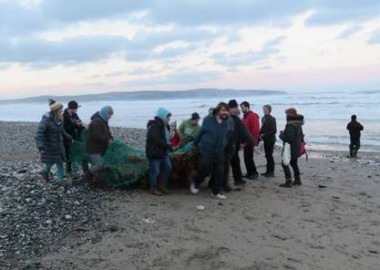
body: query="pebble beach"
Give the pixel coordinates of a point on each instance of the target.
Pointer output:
(331, 222)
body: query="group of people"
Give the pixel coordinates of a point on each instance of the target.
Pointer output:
(219, 140)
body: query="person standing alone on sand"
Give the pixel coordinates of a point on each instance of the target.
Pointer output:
(355, 128)
(73, 126)
(213, 138)
(49, 140)
(251, 121)
(157, 151)
(292, 135)
(268, 135)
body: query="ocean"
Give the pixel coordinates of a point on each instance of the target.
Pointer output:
(326, 113)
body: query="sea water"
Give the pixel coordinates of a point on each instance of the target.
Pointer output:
(326, 113)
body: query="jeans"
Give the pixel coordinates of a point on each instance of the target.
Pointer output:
(294, 164)
(155, 165)
(60, 173)
(268, 148)
(214, 166)
(97, 164)
(249, 161)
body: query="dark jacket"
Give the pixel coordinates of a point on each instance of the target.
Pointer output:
(69, 123)
(239, 135)
(354, 127)
(293, 134)
(49, 139)
(99, 136)
(213, 137)
(157, 145)
(268, 128)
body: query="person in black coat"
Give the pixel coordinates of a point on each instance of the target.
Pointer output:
(292, 135)
(355, 128)
(268, 136)
(50, 141)
(157, 151)
(73, 126)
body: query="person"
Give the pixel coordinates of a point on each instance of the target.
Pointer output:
(157, 151)
(292, 135)
(354, 128)
(99, 138)
(49, 139)
(251, 121)
(175, 140)
(73, 126)
(189, 129)
(213, 137)
(238, 136)
(268, 136)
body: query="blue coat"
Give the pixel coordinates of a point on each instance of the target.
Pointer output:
(213, 137)
(49, 140)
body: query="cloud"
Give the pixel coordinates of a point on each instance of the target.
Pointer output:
(142, 71)
(375, 37)
(249, 57)
(350, 31)
(42, 53)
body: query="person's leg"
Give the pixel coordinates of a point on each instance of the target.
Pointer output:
(218, 175)
(97, 164)
(166, 164)
(48, 167)
(60, 172)
(226, 175)
(269, 147)
(68, 161)
(205, 169)
(351, 150)
(46, 171)
(236, 169)
(154, 170)
(248, 157)
(288, 176)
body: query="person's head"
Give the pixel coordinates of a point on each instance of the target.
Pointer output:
(245, 106)
(56, 108)
(106, 113)
(290, 113)
(353, 117)
(267, 109)
(164, 115)
(221, 110)
(195, 118)
(233, 107)
(72, 107)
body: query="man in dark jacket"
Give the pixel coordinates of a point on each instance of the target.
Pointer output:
(49, 140)
(292, 135)
(157, 151)
(99, 138)
(239, 135)
(213, 139)
(355, 128)
(73, 126)
(268, 136)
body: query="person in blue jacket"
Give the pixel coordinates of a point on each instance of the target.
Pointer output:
(213, 140)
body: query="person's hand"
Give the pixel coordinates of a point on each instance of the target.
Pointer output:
(256, 149)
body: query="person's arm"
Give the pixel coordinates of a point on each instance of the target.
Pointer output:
(288, 135)
(40, 136)
(154, 136)
(181, 132)
(201, 132)
(97, 132)
(361, 127)
(66, 135)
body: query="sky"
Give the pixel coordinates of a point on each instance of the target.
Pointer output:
(69, 47)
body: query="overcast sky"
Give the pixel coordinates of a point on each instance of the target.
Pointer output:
(67, 47)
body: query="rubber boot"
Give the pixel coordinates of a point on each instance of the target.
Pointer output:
(287, 184)
(297, 181)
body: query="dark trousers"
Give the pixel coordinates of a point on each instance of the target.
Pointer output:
(294, 164)
(214, 166)
(354, 148)
(235, 165)
(268, 148)
(249, 162)
(67, 152)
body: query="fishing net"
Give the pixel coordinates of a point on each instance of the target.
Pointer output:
(127, 166)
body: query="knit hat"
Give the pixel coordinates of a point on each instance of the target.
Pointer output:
(232, 104)
(291, 112)
(55, 106)
(163, 114)
(106, 113)
(73, 105)
(195, 116)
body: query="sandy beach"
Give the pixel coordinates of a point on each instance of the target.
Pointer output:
(331, 222)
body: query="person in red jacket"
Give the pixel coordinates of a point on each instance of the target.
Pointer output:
(251, 121)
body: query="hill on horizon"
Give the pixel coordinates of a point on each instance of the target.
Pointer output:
(147, 95)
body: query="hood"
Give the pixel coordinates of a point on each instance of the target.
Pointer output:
(162, 113)
(297, 120)
(95, 115)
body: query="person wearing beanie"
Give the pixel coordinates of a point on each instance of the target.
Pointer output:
(73, 126)
(157, 151)
(293, 135)
(354, 128)
(251, 121)
(239, 135)
(189, 129)
(50, 141)
(268, 136)
(99, 138)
